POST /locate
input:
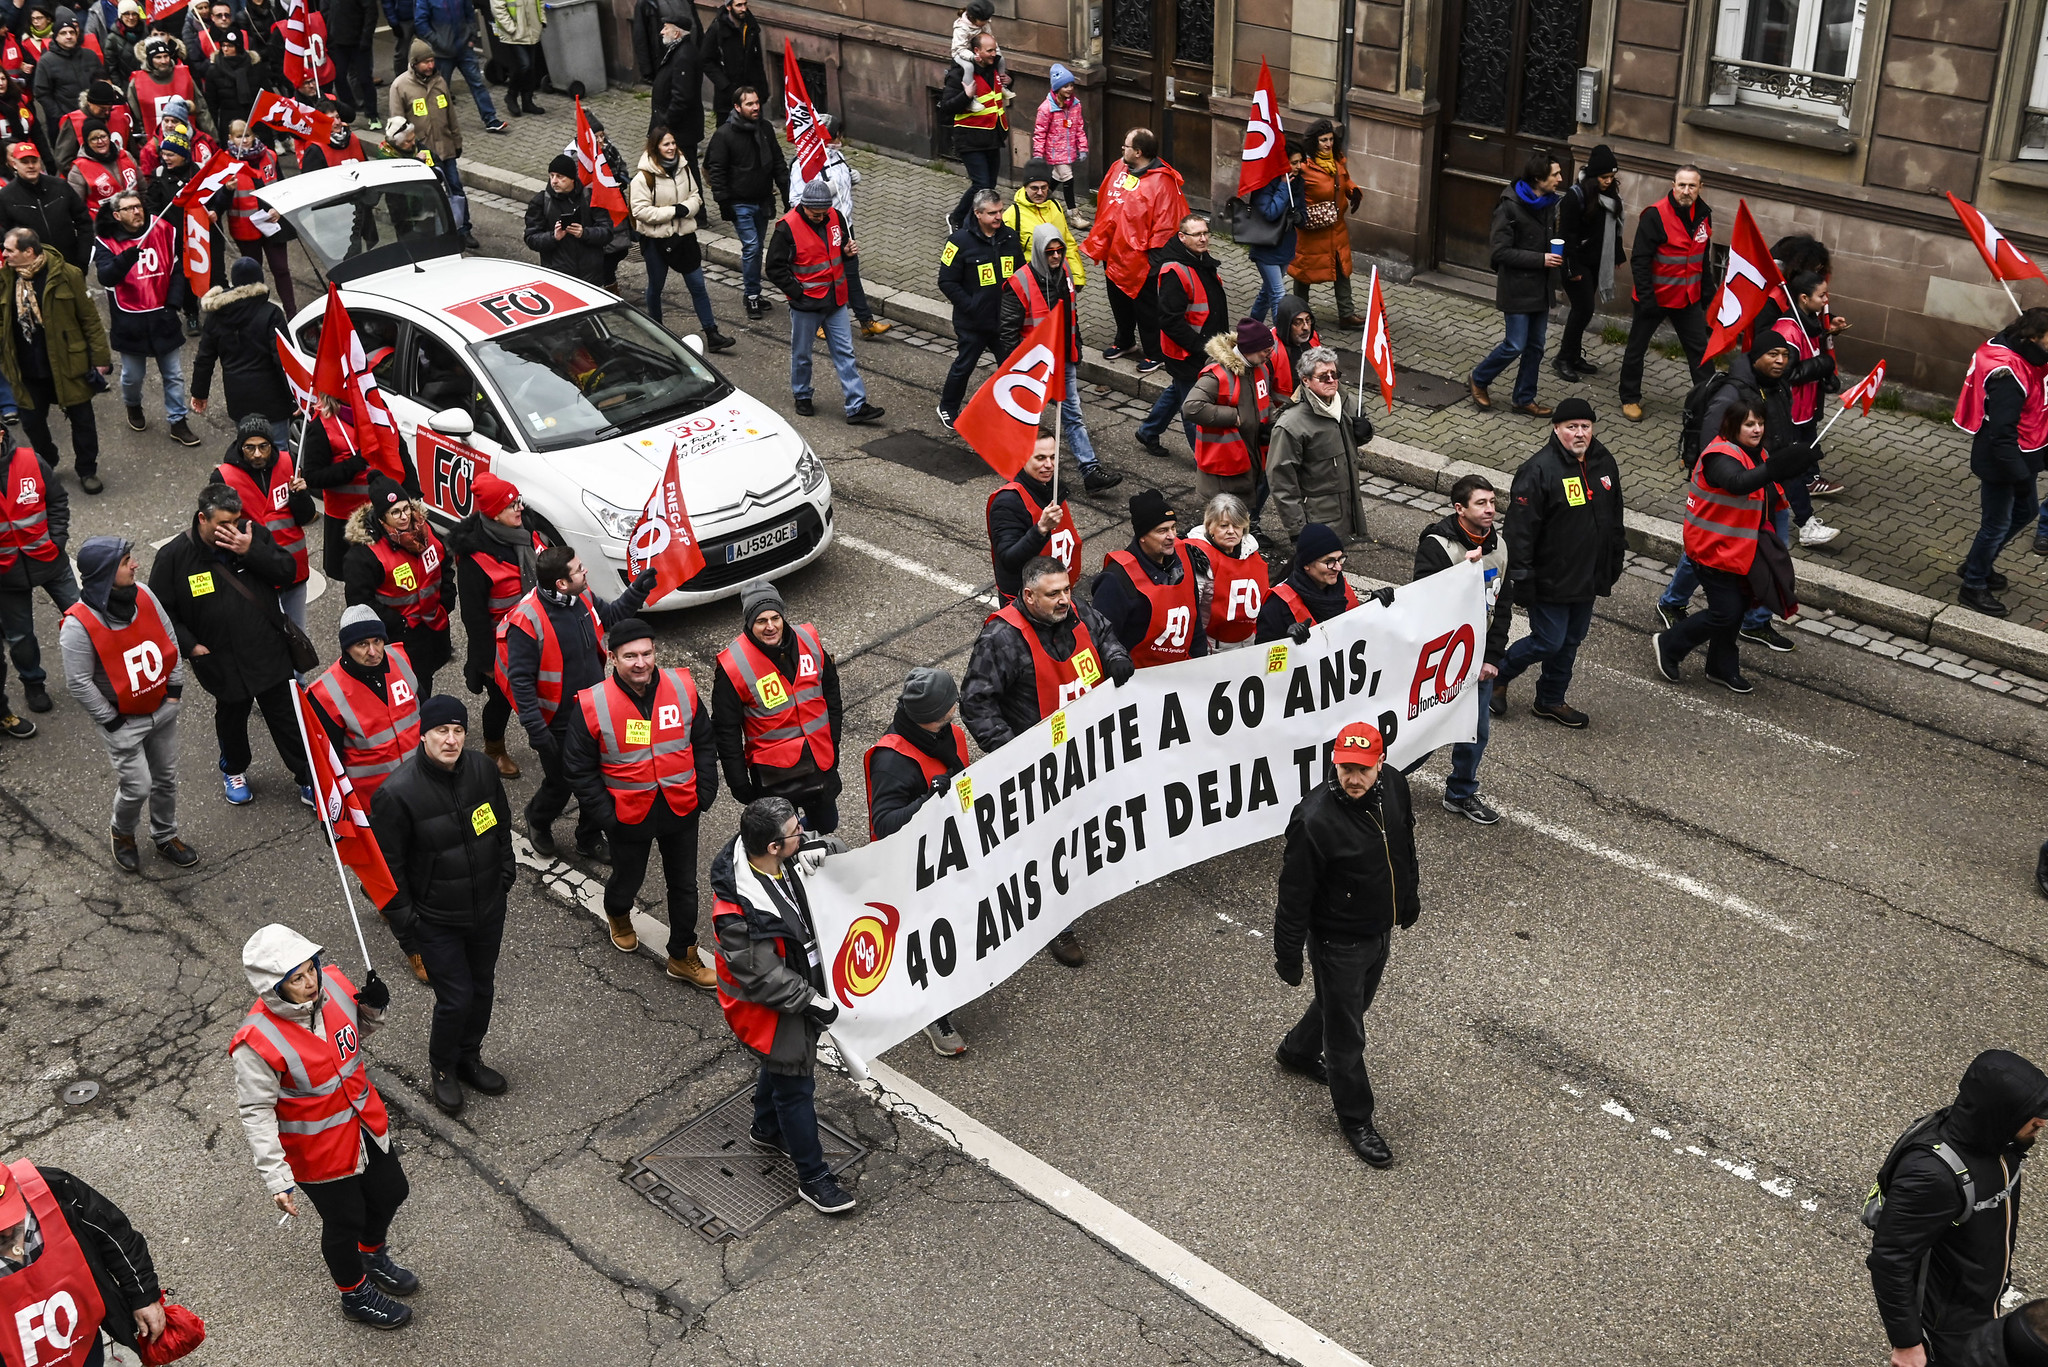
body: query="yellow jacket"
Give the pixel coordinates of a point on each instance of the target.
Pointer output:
(1023, 215)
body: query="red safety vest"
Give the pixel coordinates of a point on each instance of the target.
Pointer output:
(783, 715)
(1059, 682)
(412, 583)
(1992, 357)
(271, 506)
(1024, 284)
(531, 617)
(1064, 545)
(1680, 264)
(820, 265)
(24, 511)
(103, 182)
(324, 1088)
(1286, 593)
(261, 171)
(503, 575)
(150, 93)
(928, 768)
(1805, 397)
(1283, 364)
(119, 121)
(138, 658)
(1721, 528)
(1170, 632)
(1198, 306)
(753, 1023)
(1222, 450)
(379, 733)
(339, 500)
(1240, 585)
(51, 1308)
(147, 286)
(337, 156)
(637, 754)
(986, 109)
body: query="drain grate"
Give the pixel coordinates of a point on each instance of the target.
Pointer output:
(947, 460)
(1423, 389)
(709, 1175)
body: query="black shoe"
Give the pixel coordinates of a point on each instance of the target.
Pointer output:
(806, 409)
(596, 848)
(137, 422)
(1980, 600)
(1666, 666)
(369, 1305)
(447, 1092)
(1769, 637)
(1563, 714)
(1365, 1141)
(378, 1267)
(1153, 446)
(2041, 543)
(1734, 683)
(717, 341)
(469, 242)
(125, 854)
(1472, 809)
(91, 484)
(542, 838)
(481, 1076)
(178, 852)
(945, 418)
(527, 106)
(1311, 1068)
(826, 1195)
(2041, 869)
(771, 1142)
(1114, 353)
(182, 433)
(38, 697)
(1584, 366)
(1994, 581)
(497, 126)
(20, 728)
(1564, 371)
(1498, 705)
(1147, 367)
(1098, 479)
(865, 414)
(1671, 617)
(1067, 949)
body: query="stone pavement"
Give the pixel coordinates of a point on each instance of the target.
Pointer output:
(1906, 519)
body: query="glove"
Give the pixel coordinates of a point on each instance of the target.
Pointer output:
(1385, 595)
(940, 784)
(1406, 919)
(120, 720)
(1361, 429)
(1298, 633)
(375, 993)
(821, 1013)
(1356, 196)
(1288, 966)
(724, 211)
(1121, 669)
(473, 681)
(644, 584)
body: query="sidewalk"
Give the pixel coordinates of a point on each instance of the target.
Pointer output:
(1906, 520)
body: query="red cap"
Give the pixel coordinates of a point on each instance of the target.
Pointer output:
(493, 495)
(22, 151)
(13, 1208)
(1359, 743)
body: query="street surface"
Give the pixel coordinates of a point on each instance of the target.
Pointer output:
(1638, 1061)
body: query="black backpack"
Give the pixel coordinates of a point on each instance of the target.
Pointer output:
(1692, 437)
(1921, 1134)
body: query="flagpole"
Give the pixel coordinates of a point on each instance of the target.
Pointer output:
(2010, 295)
(1365, 338)
(1830, 423)
(320, 805)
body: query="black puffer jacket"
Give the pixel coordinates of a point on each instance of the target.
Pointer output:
(1349, 871)
(999, 695)
(896, 786)
(114, 1249)
(1519, 238)
(53, 211)
(237, 332)
(743, 164)
(447, 835)
(1967, 1265)
(1566, 542)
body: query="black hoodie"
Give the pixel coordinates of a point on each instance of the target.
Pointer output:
(1013, 537)
(896, 786)
(1968, 1265)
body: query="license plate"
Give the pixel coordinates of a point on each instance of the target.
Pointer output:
(760, 541)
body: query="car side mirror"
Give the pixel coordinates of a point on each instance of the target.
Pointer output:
(452, 422)
(694, 343)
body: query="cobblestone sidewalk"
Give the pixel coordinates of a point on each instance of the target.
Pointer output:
(1906, 519)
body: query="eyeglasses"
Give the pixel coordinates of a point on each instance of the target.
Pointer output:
(1332, 562)
(256, 445)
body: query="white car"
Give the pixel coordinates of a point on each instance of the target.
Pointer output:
(556, 385)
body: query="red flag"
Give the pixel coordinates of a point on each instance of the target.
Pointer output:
(202, 187)
(1866, 388)
(341, 371)
(335, 795)
(1001, 421)
(197, 254)
(663, 538)
(1265, 141)
(805, 134)
(295, 373)
(302, 121)
(1751, 280)
(163, 9)
(1377, 349)
(593, 170)
(2006, 261)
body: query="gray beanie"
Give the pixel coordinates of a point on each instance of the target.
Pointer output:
(817, 194)
(360, 623)
(928, 695)
(757, 597)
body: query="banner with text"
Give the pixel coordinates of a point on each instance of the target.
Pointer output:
(1126, 785)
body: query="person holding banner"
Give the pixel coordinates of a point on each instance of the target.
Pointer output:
(1237, 579)
(1348, 876)
(121, 664)
(1147, 592)
(138, 265)
(300, 1080)
(1469, 533)
(1043, 285)
(771, 986)
(1315, 589)
(1026, 521)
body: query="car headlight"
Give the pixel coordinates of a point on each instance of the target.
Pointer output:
(811, 468)
(617, 523)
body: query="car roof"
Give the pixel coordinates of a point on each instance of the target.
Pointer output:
(482, 297)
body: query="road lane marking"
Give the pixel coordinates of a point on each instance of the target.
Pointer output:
(1756, 726)
(914, 567)
(1780, 1186)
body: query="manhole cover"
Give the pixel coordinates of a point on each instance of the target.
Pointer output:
(947, 460)
(709, 1175)
(80, 1092)
(1425, 390)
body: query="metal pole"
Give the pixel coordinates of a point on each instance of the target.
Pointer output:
(320, 805)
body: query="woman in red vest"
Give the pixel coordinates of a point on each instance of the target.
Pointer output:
(1238, 579)
(1727, 516)
(398, 566)
(313, 1118)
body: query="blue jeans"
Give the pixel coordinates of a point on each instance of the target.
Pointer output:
(473, 72)
(982, 167)
(747, 221)
(1523, 338)
(1272, 285)
(1167, 408)
(786, 1107)
(1464, 779)
(2007, 509)
(170, 367)
(18, 621)
(838, 325)
(1072, 428)
(1555, 630)
(657, 277)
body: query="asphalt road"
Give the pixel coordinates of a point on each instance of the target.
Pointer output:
(1638, 1060)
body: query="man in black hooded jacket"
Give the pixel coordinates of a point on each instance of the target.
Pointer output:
(1925, 1231)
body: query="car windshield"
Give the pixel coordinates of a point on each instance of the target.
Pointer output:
(586, 377)
(412, 213)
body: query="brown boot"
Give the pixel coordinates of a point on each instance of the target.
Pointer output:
(496, 750)
(623, 938)
(692, 970)
(419, 969)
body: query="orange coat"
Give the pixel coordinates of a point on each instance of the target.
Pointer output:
(1136, 212)
(1322, 255)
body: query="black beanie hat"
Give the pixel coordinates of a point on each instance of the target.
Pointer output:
(1766, 343)
(1315, 542)
(386, 493)
(1149, 508)
(1601, 160)
(1574, 409)
(563, 165)
(440, 710)
(627, 631)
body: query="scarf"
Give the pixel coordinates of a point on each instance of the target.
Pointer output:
(560, 600)
(121, 605)
(1531, 198)
(1328, 165)
(1608, 247)
(519, 539)
(1331, 408)
(28, 302)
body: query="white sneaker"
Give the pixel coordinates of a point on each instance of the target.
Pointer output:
(1814, 532)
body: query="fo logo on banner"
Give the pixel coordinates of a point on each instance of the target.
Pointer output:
(1032, 375)
(865, 954)
(650, 540)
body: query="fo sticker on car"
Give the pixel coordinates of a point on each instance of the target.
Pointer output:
(516, 308)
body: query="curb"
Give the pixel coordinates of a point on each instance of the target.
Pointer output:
(1904, 613)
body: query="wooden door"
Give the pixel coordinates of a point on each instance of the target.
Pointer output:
(1513, 91)
(1159, 54)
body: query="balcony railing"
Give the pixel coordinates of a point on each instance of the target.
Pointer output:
(1732, 78)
